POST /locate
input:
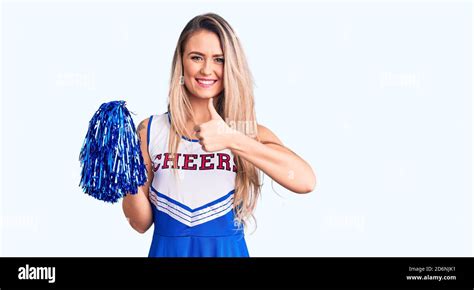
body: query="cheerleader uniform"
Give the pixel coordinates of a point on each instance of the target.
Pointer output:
(192, 210)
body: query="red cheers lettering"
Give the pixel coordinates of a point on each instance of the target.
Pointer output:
(169, 158)
(223, 158)
(205, 160)
(219, 161)
(188, 159)
(155, 168)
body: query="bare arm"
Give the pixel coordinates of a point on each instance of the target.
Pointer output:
(137, 208)
(269, 155)
(278, 162)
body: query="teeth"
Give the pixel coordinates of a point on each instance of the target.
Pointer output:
(205, 82)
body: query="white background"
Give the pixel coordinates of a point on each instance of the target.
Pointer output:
(377, 97)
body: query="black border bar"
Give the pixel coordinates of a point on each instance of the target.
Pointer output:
(288, 273)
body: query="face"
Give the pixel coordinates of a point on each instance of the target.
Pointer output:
(203, 63)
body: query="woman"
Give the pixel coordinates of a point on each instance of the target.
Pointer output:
(200, 200)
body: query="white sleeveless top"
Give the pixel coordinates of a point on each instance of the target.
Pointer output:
(199, 199)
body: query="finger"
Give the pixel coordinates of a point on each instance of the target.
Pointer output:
(212, 110)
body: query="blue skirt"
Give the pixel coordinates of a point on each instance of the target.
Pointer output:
(198, 246)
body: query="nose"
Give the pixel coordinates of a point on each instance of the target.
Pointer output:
(206, 68)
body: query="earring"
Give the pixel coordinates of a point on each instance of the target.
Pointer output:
(181, 80)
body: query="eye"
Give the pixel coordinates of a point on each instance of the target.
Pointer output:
(219, 59)
(196, 58)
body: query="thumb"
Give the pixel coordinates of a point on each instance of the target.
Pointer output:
(212, 110)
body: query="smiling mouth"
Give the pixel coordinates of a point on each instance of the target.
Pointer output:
(206, 82)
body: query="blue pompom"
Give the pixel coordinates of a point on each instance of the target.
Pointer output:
(111, 160)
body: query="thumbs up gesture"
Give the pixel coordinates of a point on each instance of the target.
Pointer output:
(215, 134)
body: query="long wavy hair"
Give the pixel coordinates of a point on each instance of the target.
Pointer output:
(235, 104)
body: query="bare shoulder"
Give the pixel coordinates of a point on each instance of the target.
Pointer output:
(265, 135)
(142, 130)
(143, 125)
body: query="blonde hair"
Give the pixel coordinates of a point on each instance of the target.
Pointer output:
(234, 104)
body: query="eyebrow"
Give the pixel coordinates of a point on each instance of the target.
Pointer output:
(202, 54)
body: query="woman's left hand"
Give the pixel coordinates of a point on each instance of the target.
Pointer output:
(215, 134)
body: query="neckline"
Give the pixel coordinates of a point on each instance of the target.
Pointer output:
(183, 137)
